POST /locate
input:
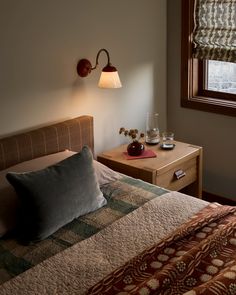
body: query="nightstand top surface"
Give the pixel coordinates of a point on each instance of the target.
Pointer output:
(163, 158)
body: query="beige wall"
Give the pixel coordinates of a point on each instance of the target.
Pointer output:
(216, 133)
(41, 42)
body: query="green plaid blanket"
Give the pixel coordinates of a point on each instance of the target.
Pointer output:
(123, 196)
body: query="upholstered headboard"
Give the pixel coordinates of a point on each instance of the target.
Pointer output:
(71, 134)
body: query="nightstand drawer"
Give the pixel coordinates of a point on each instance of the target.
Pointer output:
(178, 176)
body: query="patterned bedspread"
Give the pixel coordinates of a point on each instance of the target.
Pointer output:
(199, 258)
(124, 196)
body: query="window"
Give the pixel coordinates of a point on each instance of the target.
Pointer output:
(208, 82)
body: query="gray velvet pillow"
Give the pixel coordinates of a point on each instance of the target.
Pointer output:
(54, 196)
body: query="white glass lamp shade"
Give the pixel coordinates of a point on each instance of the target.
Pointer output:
(109, 80)
(109, 76)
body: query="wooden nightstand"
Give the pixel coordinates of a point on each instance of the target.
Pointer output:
(177, 169)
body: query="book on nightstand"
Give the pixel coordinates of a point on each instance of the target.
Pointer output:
(145, 154)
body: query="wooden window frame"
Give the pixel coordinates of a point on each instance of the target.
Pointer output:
(193, 93)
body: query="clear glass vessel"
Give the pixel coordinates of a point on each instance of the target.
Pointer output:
(152, 130)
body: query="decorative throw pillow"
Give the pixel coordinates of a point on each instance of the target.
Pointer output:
(8, 198)
(54, 196)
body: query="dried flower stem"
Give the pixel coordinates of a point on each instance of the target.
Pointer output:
(132, 133)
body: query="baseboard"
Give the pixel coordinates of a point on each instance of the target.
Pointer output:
(214, 198)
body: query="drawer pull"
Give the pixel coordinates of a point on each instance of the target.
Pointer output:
(179, 174)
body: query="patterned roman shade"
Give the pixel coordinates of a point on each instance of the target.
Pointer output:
(214, 35)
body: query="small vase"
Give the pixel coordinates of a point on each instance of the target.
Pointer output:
(135, 148)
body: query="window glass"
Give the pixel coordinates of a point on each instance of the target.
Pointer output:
(221, 76)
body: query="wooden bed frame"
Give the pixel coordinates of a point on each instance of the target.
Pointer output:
(71, 134)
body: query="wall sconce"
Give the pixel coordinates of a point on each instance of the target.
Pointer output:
(109, 76)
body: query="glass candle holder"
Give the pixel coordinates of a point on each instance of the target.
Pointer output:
(152, 130)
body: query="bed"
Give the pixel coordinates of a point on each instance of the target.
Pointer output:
(137, 239)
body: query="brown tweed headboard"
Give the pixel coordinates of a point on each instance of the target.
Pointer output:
(71, 134)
